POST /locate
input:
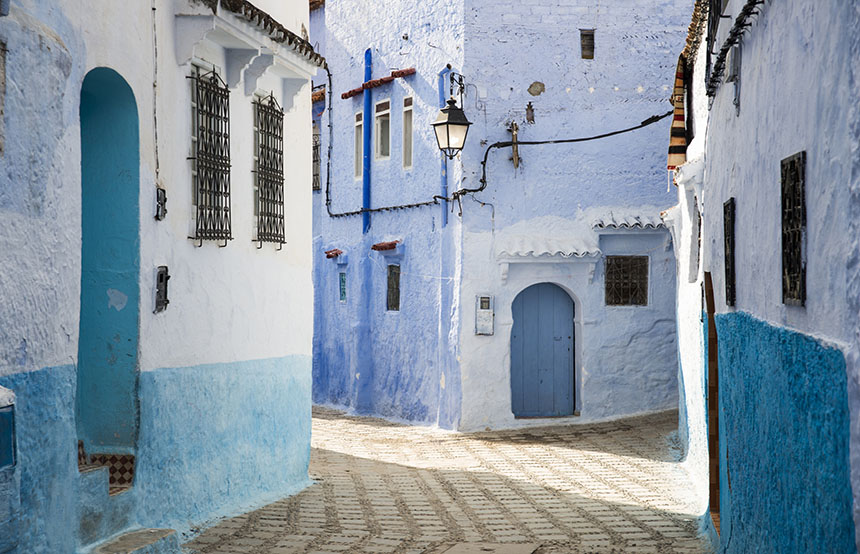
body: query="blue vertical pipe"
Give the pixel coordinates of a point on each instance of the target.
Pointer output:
(443, 175)
(366, 123)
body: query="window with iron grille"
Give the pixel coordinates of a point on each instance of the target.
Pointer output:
(342, 285)
(729, 249)
(626, 280)
(393, 298)
(269, 170)
(793, 177)
(714, 12)
(210, 159)
(698, 241)
(317, 183)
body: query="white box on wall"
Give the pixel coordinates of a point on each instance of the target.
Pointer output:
(484, 314)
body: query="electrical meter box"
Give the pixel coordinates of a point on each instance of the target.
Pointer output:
(484, 314)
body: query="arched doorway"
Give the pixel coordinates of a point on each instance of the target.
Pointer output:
(542, 352)
(107, 417)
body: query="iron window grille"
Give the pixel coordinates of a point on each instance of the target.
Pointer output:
(793, 177)
(714, 13)
(729, 249)
(393, 297)
(317, 160)
(626, 280)
(698, 241)
(269, 170)
(342, 286)
(210, 161)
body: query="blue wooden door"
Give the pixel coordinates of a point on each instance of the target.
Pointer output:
(542, 352)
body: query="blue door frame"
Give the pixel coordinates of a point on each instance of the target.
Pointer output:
(542, 352)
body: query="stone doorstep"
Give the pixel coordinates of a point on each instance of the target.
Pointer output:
(150, 541)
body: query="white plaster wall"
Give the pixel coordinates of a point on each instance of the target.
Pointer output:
(40, 231)
(292, 14)
(683, 221)
(620, 352)
(237, 302)
(227, 304)
(798, 88)
(792, 99)
(509, 48)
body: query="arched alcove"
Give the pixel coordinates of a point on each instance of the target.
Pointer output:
(107, 417)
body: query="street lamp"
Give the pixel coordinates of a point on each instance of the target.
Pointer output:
(451, 128)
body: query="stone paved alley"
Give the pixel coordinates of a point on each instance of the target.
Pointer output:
(383, 487)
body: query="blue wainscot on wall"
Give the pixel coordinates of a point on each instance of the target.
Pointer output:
(47, 463)
(784, 434)
(218, 439)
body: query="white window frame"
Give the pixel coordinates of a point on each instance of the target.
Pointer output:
(358, 147)
(408, 104)
(377, 123)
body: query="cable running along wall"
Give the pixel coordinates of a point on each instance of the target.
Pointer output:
(460, 193)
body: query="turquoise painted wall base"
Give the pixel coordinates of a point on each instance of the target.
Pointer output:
(217, 439)
(47, 458)
(784, 432)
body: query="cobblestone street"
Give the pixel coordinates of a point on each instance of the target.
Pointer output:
(383, 487)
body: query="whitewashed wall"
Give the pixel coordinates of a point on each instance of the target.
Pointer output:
(682, 220)
(238, 302)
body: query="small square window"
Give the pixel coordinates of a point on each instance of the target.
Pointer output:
(586, 43)
(626, 280)
(393, 297)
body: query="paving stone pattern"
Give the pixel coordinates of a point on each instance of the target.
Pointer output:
(389, 488)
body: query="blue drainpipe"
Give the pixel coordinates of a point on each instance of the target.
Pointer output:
(443, 174)
(367, 120)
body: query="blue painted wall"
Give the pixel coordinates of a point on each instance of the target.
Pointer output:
(366, 358)
(408, 365)
(110, 188)
(47, 458)
(219, 438)
(784, 483)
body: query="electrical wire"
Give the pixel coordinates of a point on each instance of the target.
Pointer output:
(502, 144)
(460, 193)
